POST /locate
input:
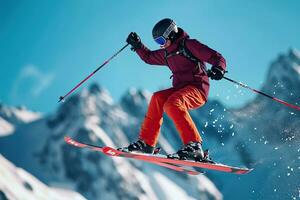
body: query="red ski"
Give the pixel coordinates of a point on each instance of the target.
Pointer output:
(163, 160)
(72, 142)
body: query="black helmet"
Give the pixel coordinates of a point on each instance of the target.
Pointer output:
(163, 30)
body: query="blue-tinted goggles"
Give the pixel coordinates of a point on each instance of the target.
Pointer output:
(160, 40)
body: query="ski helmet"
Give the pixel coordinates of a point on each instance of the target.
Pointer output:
(163, 30)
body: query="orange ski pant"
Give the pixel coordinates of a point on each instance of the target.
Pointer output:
(175, 103)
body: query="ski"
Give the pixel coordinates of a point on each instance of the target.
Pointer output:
(158, 158)
(107, 151)
(189, 163)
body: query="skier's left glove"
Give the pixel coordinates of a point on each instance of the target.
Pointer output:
(134, 40)
(216, 73)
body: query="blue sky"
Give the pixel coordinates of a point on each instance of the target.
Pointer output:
(47, 47)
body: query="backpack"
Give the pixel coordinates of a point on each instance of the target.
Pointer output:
(184, 51)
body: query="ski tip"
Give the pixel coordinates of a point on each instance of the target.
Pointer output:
(67, 138)
(243, 171)
(250, 170)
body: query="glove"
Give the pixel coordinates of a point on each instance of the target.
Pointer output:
(134, 40)
(216, 73)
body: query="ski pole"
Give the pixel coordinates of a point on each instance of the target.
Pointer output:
(264, 94)
(61, 98)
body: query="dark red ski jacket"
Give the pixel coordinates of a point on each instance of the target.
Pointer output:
(185, 72)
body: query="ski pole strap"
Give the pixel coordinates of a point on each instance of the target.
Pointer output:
(264, 94)
(61, 98)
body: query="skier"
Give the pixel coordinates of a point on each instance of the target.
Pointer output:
(185, 58)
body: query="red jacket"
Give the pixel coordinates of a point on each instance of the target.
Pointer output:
(185, 72)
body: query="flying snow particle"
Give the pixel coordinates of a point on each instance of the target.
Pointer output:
(266, 142)
(206, 124)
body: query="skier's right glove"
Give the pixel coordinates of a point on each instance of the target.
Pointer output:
(216, 73)
(134, 40)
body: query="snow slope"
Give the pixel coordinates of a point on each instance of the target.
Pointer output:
(16, 183)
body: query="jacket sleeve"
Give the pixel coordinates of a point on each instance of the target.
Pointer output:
(151, 57)
(206, 54)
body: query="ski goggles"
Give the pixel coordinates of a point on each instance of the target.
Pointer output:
(160, 40)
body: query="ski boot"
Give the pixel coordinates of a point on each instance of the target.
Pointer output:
(206, 157)
(191, 151)
(138, 147)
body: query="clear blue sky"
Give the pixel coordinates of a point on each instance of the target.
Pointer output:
(46, 47)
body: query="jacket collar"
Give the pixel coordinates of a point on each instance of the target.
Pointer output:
(175, 44)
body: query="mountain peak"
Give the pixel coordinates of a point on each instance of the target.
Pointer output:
(10, 117)
(101, 93)
(282, 82)
(294, 54)
(291, 58)
(95, 88)
(284, 74)
(138, 94)
(18, 115)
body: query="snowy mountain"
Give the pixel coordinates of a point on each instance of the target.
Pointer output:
(283, 81)
(92, 117)
(10, 117)
(268, 133)
(6, 128)
(16, 183)
(263, 135)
